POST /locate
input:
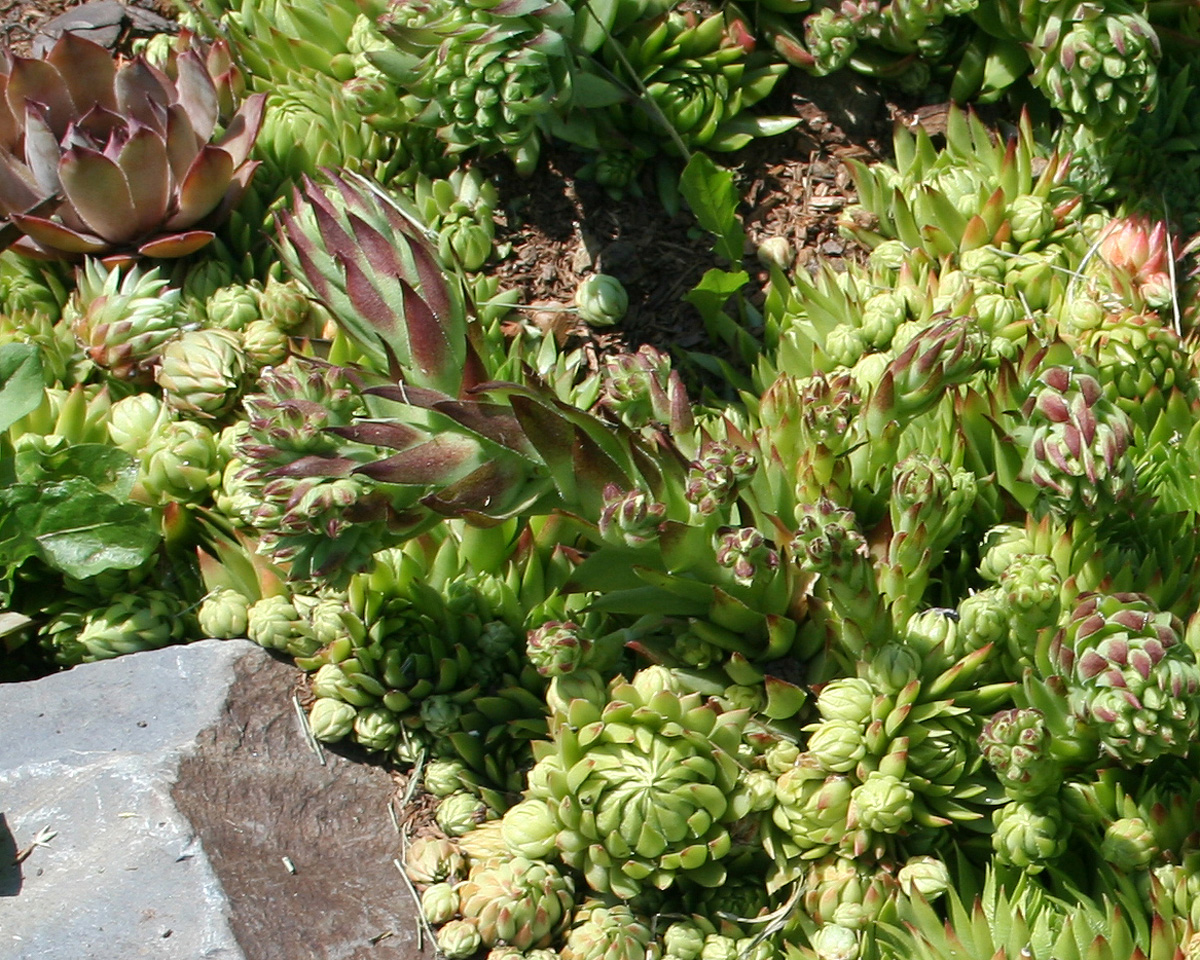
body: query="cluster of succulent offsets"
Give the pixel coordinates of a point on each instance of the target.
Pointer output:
(892, 653)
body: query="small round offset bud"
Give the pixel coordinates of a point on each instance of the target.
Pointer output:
(776, 251)
(331, 720)
(223, 614)
(459, 939)
(439, 903)
(601, 300)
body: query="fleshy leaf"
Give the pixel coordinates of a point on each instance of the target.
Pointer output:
(140, 93)
(197, 93)
(175, 245)
(35, 81)
(143, 159)
(243, 129)
(42, 151)
(87, 69)
(97, 189)
(54, 236)
(203, 186)
(433, 462)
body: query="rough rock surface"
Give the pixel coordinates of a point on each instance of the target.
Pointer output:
(191, 819)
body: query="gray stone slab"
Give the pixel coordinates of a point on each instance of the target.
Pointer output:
(91, 754)
(193, 820)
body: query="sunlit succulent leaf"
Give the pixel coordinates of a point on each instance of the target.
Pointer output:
(99, 193)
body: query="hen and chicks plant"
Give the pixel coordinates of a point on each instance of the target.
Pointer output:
(912, 618)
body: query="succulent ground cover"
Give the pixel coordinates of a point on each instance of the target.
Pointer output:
(817, 578)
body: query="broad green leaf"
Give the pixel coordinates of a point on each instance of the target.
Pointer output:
(110, 469)
(21, 383)
(75, 528)
(710, 192)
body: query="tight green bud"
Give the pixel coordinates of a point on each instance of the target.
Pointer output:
(601, 300)
(439, 903)
(331, 720)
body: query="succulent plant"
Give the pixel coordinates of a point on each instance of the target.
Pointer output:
(331, 720)
(116, 158)
(1016, 743)
(456, 814)
(123, 322)
(490, 79)
(368, 262)
(433, 860)
(1077, 440)
(1030, 834)
(1098, 63)
(223, 614)
(524, 903)
(180, 463)
(232, 307)
(1130, 676)
(702, 76)
(601, 300)
(607, 932)
(439, 902)
(624, 832)
(202, 373)
(274, 622)
(458, 940)
(459, 209)
(128, 623)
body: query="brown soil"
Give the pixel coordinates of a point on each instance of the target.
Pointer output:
(793, 186)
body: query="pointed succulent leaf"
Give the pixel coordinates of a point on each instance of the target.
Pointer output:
(88, 70)
(143, 160)
(432, 462)
(397, 436)
(54, 236)
(182, 141)
(174, 245)
(203, 186)
(99, 192)
(498, 489)
(42, 152)
(142, 93)
(18, 190)
(36, 81)
(491, 421)
(241, 132)
(197, 93)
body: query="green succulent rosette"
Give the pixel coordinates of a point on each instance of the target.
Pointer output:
(846, 891)
(601, 300)
(607, 931)
(129, 623)
(458, 940)
(1030, 834)
(434, 860)
(640, 787)
(224, 614)
(1077, 441)
(702, 76)
(521, 902)
(1016, 744)
(1130, 676)
(331, 720)
(122, 322)
(202, 373)
(1098, 63)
